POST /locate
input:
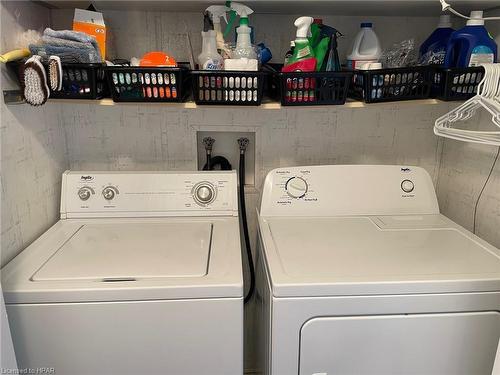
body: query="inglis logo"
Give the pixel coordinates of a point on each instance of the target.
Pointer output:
(86, 178)
(405, 170)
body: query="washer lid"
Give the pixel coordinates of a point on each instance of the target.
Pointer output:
(131, 251)
(363, 255)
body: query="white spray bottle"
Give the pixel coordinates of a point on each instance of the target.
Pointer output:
(244, 46)
(217, 12)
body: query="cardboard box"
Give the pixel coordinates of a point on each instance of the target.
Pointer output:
(91, 23)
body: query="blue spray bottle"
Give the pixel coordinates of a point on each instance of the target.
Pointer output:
(471, 45)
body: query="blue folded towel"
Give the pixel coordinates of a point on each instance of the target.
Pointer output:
(70, 46)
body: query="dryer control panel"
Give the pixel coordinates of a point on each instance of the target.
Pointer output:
(142, 194)
(348, 190)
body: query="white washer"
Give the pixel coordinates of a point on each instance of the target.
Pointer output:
(142, 275)
(359, 273)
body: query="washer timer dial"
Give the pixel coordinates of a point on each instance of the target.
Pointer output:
(204, 193)
(296, 187)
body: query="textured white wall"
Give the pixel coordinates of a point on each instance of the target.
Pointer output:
(33, 147)
(464, 169)
(132, 33)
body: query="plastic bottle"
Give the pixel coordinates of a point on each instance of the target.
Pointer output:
(209, 58)
(244, 46)
(471, 45)
(366, 47)
(217, 12)
(289, 53)
(433, 50)
(302, 48)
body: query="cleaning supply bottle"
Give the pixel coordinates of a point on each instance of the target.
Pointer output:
(471, 45)
(209, 58)
(244, 46)
(303, 55)
(366, 47)
(433, 50)
(217, 12)
(289, 53)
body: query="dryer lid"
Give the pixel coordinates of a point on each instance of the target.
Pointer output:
(364, 255)
(131, 251)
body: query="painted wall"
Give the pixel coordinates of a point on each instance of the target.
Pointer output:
(33, 147)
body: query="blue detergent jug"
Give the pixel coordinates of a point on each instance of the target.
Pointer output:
(472, 45)
(433, 50)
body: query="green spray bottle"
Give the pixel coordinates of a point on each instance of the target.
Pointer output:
(303, 49)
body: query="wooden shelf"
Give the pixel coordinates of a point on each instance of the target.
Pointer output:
(267, 105)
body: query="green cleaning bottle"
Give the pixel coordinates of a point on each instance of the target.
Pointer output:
(302, 49)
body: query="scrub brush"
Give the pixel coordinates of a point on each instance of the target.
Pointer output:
(36, 91)
(55, 73)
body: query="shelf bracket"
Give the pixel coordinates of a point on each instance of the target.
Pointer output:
(12, 97)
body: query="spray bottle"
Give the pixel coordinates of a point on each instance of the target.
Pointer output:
(332, 62)
(209, 58)
(244, 46)
(303, 55)
(217, 12)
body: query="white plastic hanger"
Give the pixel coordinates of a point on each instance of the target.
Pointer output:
(488, 98)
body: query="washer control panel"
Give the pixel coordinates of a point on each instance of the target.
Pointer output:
(132, 194)
(348, 190)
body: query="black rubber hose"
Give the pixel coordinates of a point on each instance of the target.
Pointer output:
(245, 227)
(208, 166)
(217, 161)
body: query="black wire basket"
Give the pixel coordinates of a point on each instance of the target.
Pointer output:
(79, 80)
(456, 83)
(392, 84)
(228, 87)
(311, 88)
(148, 84)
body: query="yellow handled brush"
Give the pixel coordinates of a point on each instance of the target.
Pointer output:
(16, 54)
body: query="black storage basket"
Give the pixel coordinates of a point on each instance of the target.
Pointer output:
(82, 81)
(311, 88)
(79, 80)
(394, 84)
(456, 83)
(228, 87)
(148, 84)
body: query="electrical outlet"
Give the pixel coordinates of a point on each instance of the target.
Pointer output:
(226, 145)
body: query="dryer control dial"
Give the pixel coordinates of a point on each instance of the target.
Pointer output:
(204, 193)
(109, 192)
(296, 187)
(407, 186)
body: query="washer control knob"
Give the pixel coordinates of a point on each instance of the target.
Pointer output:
(296, 187)
(407, 186)
(204, 193)
(84, 193)
(109, 192)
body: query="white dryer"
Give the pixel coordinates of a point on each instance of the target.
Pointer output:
(358, 273)
(142, 275)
